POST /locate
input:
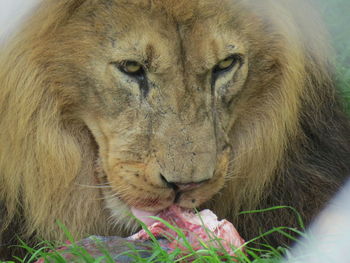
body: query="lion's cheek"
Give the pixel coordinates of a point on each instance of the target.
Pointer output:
(131, 185)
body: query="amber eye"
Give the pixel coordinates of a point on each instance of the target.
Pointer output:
(131, 68)
(226, 63)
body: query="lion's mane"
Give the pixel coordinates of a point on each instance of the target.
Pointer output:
(291, 138)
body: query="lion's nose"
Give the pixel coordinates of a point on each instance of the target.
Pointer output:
(178, 186)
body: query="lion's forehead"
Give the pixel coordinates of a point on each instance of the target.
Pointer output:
(191, 31)
(182, 11)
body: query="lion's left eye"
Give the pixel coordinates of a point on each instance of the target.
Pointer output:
(226, 64)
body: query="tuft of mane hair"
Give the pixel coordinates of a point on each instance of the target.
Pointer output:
(291, 143)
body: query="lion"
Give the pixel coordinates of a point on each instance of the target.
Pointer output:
(109, 107)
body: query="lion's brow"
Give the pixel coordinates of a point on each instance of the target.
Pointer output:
(149, 55)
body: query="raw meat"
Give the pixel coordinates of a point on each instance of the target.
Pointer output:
(203, 227)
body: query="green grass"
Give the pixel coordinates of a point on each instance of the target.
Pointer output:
(208, 253)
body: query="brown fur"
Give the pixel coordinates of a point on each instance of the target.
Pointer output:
(71, 145)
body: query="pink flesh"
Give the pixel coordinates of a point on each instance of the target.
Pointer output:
(192, 226)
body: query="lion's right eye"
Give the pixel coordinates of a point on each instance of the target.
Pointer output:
(131, 68)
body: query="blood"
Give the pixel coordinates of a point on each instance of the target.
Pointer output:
(200, 231)
(201, 228)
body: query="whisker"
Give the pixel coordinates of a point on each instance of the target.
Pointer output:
(95, 186)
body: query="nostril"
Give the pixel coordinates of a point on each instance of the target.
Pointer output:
(169, 184)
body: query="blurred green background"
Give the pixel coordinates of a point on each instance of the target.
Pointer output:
(336, 14)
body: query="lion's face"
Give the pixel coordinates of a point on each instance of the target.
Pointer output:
(158, 97)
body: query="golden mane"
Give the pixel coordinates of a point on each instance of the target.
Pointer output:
(47, 158)
(49, 148)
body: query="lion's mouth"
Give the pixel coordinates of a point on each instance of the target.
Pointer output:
(158, 203)
(144, 204)
(146, 216)
(143, 207)
(179, 189)
(135, 192)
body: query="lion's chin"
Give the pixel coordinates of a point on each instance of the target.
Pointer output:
(124, 215)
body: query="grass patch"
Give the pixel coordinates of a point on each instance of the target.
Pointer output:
(155, 252)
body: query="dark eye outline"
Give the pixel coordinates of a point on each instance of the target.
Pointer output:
(236, 58)
(139, 75)
(122, 66)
